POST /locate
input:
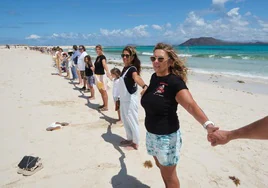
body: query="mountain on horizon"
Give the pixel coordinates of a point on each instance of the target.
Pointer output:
(210, 41)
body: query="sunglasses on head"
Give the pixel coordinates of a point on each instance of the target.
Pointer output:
(125, 55)
(159, 59)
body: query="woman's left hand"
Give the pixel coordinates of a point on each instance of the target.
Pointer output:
(211, 129)
(143, 91)
(109, 76)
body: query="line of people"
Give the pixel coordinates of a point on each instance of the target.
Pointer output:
(160, 99)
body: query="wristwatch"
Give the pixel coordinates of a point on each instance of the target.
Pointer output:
(144, 86)
(207, 123)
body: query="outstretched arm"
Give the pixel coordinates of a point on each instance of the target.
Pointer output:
(255, 130)
(185, 99)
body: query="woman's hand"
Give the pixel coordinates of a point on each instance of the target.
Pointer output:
(211, 129)
(109, 76)
(220, 137)
(143, 90)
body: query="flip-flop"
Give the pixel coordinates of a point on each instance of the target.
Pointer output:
(31, 172)
(62, 123)
(54, 126)
(20, 171)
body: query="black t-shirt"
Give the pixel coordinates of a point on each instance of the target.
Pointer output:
(88, 70)
(129, 81)
(160, 104)
(99, 69)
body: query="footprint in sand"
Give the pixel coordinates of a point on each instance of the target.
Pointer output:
(103, 166)
(57, 103)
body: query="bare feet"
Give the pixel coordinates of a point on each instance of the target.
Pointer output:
(125, 142)
(91, 98)
(103, 109)
(133, 146)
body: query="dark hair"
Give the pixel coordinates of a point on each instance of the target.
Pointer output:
(89, 63)
(136, 62)
(70, 53)
(82, 46)
(177, 66)
(74, 47)
(116, 72)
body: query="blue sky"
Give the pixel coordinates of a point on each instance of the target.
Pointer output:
(120, 22)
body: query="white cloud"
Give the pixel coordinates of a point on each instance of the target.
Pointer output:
(236, 18)
(193, 19)
(70, 35)
(168, 25)
(248, 14)
(138, 31)
(33, 36)
(218, 5)
(233, 12)
(156, 27)
(263, 24)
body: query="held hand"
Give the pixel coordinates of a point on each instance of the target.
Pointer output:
(143, 91)
(219, 137)
(211, 129)
(109, 76)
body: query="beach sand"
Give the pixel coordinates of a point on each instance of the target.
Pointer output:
(86, 153)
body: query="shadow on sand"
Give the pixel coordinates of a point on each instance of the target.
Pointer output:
(122, 179)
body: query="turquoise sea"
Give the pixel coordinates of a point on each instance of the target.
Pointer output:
(237, 60)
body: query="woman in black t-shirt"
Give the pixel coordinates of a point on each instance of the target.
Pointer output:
(167, 89)
(128, 82)
(100, 78)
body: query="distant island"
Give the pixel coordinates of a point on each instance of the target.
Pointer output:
(209, 41)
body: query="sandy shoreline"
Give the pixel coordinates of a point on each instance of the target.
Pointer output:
(86, 153)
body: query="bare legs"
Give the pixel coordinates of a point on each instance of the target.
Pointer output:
(92, 91)
(58, 67)
(79, 76)
(168, 174)
(104, 97)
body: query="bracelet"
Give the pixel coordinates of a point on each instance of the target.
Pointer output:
(144, 86)
(207, 123)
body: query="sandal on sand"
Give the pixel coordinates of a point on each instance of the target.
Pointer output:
(101, 106)
(62, 123)
(56, 126)
(29, 165)
(33, 170)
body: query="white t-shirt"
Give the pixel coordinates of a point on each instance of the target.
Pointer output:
(80, 62)
(116, 92)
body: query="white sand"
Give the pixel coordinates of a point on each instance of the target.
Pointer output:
(86, 153)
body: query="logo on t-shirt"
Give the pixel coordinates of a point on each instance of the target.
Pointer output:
(160, 90)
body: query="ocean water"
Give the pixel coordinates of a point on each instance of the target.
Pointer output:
(237, 60)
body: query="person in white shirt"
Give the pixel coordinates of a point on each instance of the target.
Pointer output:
(115, 73)
(81, 65)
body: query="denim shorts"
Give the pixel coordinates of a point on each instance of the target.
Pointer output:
(91, 80)
(166, 148)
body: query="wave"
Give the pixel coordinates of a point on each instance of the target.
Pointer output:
(180, 55)
(147, 53)
(230, 73)
(233, 56)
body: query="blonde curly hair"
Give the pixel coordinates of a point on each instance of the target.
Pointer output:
(177, 66)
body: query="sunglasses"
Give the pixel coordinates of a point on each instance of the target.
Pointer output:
(125, 55)
(159, 59)
(80, 48)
